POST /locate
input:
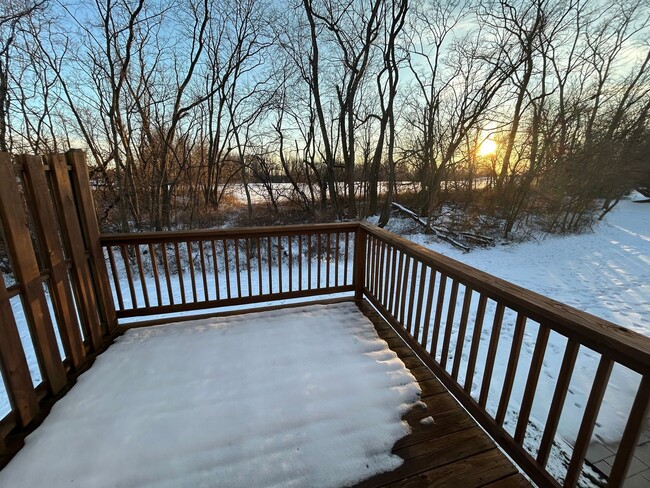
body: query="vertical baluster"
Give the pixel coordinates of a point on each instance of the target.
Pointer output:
(168, 278)
(404, 289)
(226, 265)
(382, 257)
(319, 251)
(347, 258)
(248, 267)
(116, 279)
(531, 382)
(557, 403)
(328, 251)
(179, 268)
(309, 261)
(270, 263)
(300, 262)
(438, 317)
(588, 421)
(215, 266)
(260, 289)
(280, 264)
(397, 282)
(418, 314)
(336, 261)
(389, 276)
(633, 428)
(427, 310)
(129, 277)
(143, 281)
(511, 370)
(451, 312)
(462, 328)
(476, 341)
(204, 275)
(409, 321)
(238, 269)
(156, 275)
(376, 275)
(290, 263)
(190, 261)
(491, 355)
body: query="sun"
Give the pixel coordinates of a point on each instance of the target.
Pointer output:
(487, 147)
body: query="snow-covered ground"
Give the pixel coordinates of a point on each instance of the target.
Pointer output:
(299, 397)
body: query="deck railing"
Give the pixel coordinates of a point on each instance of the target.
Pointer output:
(453, 316)
(412, 287)
(163, 273)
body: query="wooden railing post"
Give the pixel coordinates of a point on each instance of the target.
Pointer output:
(359, 271)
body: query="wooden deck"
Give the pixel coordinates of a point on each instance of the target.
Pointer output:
(452, 452)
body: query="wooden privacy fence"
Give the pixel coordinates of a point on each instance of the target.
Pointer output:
(412, 286)
(50, 242)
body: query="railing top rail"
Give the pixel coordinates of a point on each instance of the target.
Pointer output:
(625, 346)
(233, 233)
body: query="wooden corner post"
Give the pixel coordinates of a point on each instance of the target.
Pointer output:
(359, 271)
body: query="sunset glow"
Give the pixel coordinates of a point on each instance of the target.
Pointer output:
(487, 147)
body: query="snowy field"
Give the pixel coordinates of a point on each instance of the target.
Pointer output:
(300, 397)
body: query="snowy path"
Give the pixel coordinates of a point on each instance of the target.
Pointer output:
(298, 397)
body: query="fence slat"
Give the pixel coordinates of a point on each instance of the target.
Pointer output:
(25, 266)
(60, 286)
(88, 217)
(74, 240)
(20, 388)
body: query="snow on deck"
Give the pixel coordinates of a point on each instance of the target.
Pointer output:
(297, 397)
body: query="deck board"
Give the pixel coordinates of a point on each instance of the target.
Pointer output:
(451, 452)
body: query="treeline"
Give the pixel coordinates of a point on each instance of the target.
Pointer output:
(523, 110)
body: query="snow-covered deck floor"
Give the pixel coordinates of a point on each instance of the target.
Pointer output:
(308, 396)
